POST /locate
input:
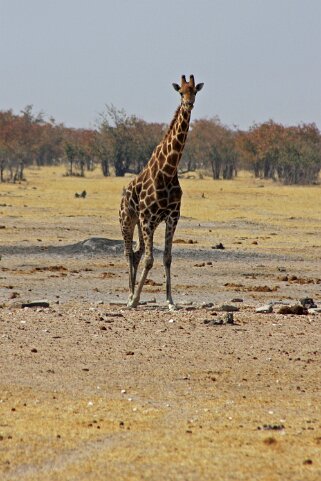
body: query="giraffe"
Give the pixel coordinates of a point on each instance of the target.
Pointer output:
(154, 196)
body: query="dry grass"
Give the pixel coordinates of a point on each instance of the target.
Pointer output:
(200, 426)
(243, 212)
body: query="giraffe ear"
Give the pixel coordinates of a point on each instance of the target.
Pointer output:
(176, 87)
(199, 87)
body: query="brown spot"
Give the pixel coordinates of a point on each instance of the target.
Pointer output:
(163, 203)
(177, 145)
(181, 137)
(168, 169)
(270, 441)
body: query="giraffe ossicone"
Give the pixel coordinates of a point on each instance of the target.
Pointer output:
(154, 196)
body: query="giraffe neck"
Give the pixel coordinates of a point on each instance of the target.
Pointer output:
(169, 152)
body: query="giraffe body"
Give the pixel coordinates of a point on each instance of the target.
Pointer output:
(154, 196)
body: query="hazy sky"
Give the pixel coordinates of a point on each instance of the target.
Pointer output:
(259, 59)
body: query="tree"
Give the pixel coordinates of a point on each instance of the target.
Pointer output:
(261, 147)
(211, 145)
(300, 156)
(79, 150)
(290, 154)
(126, 140)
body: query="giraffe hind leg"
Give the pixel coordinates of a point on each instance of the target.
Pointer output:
(137, 255)
(147, 238)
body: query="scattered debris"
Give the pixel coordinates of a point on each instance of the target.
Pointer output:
(150, 282)
(227, 319)
(271, 427)
(82, 195)
(218, 246)
(183, 241)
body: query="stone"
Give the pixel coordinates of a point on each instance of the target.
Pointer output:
(307, 302)
(314, 310)
(36, 303)
(228, 308)
(218, 246)
(228, 318)
(266, 309)
(296, 309)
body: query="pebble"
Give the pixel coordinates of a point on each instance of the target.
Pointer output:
(206, 305)
(36, 303)
(229, 308)
(296, 309)
(314, 310)
(266, 309)
(228, 319)
(308, 302)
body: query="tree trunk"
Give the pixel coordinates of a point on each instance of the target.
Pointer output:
(105, 167)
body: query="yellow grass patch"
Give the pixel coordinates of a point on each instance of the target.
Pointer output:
(244, 213)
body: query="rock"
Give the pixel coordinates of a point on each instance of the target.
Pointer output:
(237, 299)
(271, 427)
(314, 310)
(206, 305)
(266, 309)
(228, 308)
(218, 246)
(36, 303)
(229, 319)
(307, 302)
(213, 322)
(296, 309)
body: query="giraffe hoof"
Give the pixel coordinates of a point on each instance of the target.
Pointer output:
(132, 304)
(172, 307)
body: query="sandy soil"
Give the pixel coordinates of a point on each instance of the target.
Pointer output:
(93, 391)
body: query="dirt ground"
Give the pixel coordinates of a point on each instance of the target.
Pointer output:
(90, 390)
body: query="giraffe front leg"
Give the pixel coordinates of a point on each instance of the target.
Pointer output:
(169, 234)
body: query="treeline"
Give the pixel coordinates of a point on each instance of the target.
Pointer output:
(123, 143)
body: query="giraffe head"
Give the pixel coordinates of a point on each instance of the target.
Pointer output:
(188, 91)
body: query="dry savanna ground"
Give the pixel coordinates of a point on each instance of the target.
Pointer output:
(90, 390)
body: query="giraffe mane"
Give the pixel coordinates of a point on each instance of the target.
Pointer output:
(172, 122)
